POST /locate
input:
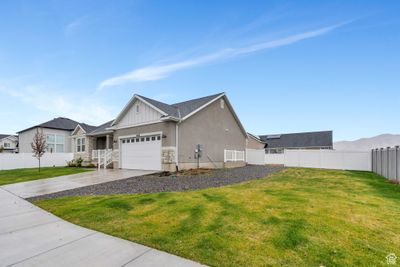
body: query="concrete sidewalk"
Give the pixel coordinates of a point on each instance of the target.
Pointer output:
(30, 236)
(66, 182)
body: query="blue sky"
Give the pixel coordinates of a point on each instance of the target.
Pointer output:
(286, 66)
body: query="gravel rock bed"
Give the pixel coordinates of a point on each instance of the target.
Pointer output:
(155, 183)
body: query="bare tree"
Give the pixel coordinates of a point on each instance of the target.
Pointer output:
(38, 145)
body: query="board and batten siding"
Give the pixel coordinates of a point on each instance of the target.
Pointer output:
(145, 114)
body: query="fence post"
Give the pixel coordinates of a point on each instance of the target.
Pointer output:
(372, 160)
(396, 150)
(381, 152)
(388, 162)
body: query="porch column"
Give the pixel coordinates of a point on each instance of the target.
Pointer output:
(107, 141)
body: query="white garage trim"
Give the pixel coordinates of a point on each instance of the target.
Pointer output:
(120, 144)
(136, 135)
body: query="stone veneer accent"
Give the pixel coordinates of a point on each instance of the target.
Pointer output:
(168, 155)
(87, 155)
(115, 158)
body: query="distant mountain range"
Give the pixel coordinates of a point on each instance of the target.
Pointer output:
(383, 140)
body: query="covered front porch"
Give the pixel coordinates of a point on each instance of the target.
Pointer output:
(101, 153)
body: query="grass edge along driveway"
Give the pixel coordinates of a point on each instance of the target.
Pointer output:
(24, 175)
(297, 217)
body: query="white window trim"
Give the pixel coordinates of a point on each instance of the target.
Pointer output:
(55, 143)
(81, 145)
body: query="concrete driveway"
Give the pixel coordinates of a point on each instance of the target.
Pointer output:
(30, 236)
(62, 183)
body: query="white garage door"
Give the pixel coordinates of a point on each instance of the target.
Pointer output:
(142, 153)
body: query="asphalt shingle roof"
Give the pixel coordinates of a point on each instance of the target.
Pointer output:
(57, 123)
(181, 109)
(88, 128)
(177, 110)
(189, 106)
(4, 136)
(293, 140)
(169, 109)
(101, 128)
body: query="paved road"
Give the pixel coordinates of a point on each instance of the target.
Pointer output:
(66, 182)
(30, 236)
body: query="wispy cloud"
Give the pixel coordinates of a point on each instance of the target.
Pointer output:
(42, 98)
(74, 26)
(157, 72)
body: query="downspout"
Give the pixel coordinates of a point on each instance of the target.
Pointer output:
(177, 145)
(177, 141)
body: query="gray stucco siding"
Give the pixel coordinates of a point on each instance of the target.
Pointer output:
(254, 144)
(214, 128)
(26, 138)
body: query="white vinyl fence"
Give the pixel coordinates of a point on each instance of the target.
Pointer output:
(275, 158)
(10, 161)
(255, 156)
(324, 159)
(386, 162)
(329, 159)
(234, 155)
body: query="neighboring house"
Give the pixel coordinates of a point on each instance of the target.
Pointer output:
(254, 142)
(276, 143)
(58, 135)
(8, 143)
(152, 135)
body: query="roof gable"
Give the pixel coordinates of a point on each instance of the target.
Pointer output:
(138, 111)
(85, 128)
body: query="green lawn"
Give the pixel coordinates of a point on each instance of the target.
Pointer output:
(298, 217)
(23, 175)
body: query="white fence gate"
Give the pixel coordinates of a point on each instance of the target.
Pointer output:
(255, 156)
(275, 158)
(10, 161)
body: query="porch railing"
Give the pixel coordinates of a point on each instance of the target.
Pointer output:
(103, 156)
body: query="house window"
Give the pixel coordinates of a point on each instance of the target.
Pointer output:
(55, 143)
(222, 103)
(7, 145)
(81, 144)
